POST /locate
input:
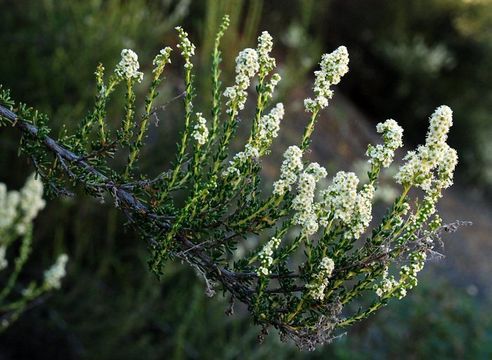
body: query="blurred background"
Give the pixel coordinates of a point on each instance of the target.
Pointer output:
(407, 57)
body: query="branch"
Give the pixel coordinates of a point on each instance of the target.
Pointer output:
(132, 205)
(62, 153)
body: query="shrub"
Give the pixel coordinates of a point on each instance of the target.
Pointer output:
(201, 208)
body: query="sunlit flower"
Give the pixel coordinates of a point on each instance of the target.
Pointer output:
(269, 126)
(303, 203)
(128, 66)
(432, 165)
(161, 59)
(332, 67)
(246, 67)
(265, 256)
(382, 154)
(291, 166)
(340, 198)
(265, 45)
(316, 287)
(200, 130)
(186, 46)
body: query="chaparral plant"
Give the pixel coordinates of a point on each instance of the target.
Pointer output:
(317, 251)
(18, 209)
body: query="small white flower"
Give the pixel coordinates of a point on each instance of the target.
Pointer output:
(53, 276)
(320, 280)
(30, 203)
(341, 201)
(128, 66)
(340, 198)
(291, 166)
(440, 123)
(382, 154)
(318, 171)
(186, 46)
(246, 67)
(327, 266)
(200, 130)
(362, 213)
(269, 126)
(250, 152)
(303, 203)
(19, 208)
(163, 58)
(265, 256)
(266, 62)
(270, 86)
(446, 167)
(390, 287)
(431, 166)
(387, 285)
(332, 67)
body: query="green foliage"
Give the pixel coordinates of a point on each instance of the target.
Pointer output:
(59, 44)
(200, 209)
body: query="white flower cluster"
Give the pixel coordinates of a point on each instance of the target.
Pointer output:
(246, 67)
(250, 152)
(265, 256)
(332, 67)
(291, 166)
(31, 202)
(439, 124)
(53, 276)
(303, 203)
(128, 66)
(250, 62)
(363, 211)
(446, 167)
(382, 154)
(270, 86)
(265, 45)
(340, 197)
(436, 154)
(268, 128)
(161, 59)
(341, 201)
(390, 287)
(321, 279)
(387, 285)
(200, 130)
(318, 171)
(186, 46)
(411, 173)
(18, 209)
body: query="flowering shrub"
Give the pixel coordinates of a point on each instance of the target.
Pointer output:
(17, 211)
(315, 254)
